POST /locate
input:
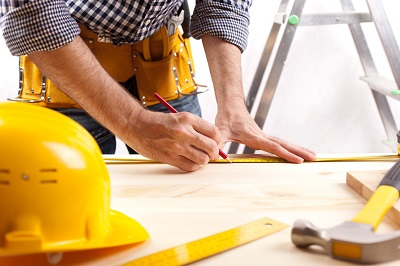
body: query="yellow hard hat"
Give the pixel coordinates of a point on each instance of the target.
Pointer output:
(54, 186)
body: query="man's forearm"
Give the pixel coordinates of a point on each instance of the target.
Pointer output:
(224, 60)
(75, 70)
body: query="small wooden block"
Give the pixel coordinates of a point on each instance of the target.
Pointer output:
(365, 184)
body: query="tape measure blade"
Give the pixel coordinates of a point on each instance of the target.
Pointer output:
(107, 161)
(211, 245)
(248, 158)
(360, 158)
(251, 160)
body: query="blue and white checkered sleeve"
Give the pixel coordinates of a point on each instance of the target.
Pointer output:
(38, 26)
(226, 19)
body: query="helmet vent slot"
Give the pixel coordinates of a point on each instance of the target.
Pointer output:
(49, 181)
(48, 170)
(4, 182)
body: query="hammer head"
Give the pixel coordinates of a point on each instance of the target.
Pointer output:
(350, 241)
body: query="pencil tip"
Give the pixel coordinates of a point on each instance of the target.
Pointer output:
(229, 160)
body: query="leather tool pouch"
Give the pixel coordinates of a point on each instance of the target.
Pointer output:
(161, 64)
(164, 64)
(36, 88)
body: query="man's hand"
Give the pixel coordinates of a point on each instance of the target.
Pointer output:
(181, 139)
(233, 119)
(239, 126)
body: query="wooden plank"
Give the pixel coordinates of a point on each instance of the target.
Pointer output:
(365, 183)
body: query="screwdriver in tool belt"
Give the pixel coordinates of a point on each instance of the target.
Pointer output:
(173, 110)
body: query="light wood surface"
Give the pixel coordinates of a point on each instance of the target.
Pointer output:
(177, 207)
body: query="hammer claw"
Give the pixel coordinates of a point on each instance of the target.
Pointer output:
(305, 234)
(350, 241)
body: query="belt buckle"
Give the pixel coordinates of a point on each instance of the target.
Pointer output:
(104, 39)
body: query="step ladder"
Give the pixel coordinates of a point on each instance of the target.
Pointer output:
(380, 87)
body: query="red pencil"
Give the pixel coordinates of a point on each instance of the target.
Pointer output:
(173, 110)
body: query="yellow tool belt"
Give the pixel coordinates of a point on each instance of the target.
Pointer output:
(160, 63)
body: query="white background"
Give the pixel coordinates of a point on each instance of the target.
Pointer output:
(320, 102)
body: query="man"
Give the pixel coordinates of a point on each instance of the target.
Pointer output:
(47, 31)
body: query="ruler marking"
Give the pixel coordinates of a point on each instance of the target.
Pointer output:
(211, 245)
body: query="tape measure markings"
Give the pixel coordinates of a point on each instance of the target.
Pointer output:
(360, 158)
(140, 160)
(211, 245)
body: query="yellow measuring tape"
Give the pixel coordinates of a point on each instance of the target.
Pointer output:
(211, 245)
(250, 158)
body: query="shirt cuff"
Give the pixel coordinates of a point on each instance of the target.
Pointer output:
(225, 21)
(38, 26)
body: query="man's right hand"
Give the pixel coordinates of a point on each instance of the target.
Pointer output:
(180, 139)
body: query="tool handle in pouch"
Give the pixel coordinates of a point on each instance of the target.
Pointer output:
(383, 198)
(146, 46)
(163, 64)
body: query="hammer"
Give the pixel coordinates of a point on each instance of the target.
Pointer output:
(356, 240)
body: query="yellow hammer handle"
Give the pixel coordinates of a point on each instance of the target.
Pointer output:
(378, 205)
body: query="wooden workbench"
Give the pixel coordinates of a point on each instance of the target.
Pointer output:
(177, 207)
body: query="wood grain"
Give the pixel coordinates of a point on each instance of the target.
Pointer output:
(365, 183)
(177, 207)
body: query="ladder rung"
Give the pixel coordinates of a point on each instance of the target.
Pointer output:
(347, 17)
(384, 86)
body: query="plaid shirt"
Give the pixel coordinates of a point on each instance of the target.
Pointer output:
(42, 25)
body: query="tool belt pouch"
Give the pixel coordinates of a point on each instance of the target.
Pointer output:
(36, 88)
(163, 64)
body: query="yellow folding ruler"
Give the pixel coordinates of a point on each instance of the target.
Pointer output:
(211, 245)
(251, 158)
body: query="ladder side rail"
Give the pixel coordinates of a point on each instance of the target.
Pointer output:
(371, 70)
(387, 37)
(266, 54)
(386, 115)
